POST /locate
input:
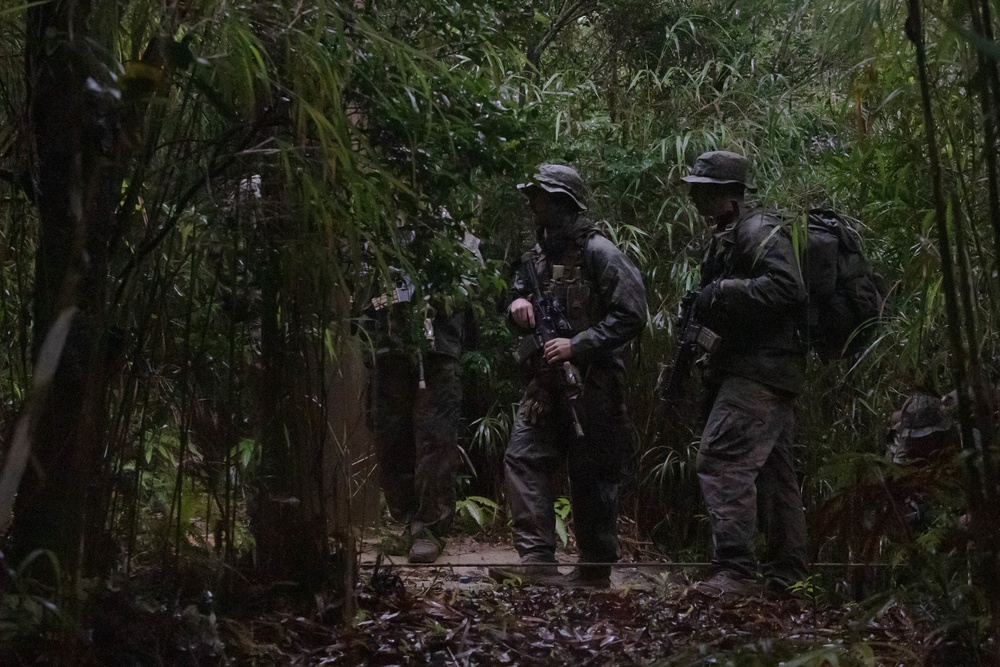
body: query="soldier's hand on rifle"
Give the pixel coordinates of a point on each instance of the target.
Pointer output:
(706, 300)
(523, 313)
(558, 349)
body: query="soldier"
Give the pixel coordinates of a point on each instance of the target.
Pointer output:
(752, 295)
(593, 297)
(417, 404)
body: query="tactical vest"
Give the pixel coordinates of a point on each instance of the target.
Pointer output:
(569, 290)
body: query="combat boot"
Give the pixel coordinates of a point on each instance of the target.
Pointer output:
(779, 589)
(425, 548)
(530, 572)
(589, 577)
(726, 584)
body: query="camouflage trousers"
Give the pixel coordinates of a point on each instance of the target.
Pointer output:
(416, 438)
(747, 475)
(535, 455)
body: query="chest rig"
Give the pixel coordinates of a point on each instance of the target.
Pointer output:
(717, 262)
(568, 289)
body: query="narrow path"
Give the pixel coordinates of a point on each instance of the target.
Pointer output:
(465, 561)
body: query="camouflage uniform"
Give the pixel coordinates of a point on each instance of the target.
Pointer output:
(746, 471)
(921, 433)
(606, 308)
(417, 392)
(416, 430)
(755, 296)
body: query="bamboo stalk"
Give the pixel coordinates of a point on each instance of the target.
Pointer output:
(978, 498)
(990, 88)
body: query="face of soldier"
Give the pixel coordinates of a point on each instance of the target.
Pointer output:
(549, 208)
(710, 199)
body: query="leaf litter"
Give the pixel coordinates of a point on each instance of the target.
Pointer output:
(536, 626)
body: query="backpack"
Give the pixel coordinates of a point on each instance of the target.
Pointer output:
(846, 297)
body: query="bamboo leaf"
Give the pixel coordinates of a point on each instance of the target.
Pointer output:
(20, 8)
(17, 456)
(989, 48)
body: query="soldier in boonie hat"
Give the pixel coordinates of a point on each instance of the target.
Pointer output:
(578, 300)
(719, 182)
(558, 178)
(721, 168)
(752, 296)
(922, 427)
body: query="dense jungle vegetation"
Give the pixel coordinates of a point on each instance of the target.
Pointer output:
(197, 194)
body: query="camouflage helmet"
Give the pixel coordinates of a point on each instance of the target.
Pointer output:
(922, 427)
(720, 167)
(559, 178)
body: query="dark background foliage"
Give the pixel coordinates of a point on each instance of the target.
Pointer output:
(261, 166)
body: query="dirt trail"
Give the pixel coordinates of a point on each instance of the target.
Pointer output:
(465, 561)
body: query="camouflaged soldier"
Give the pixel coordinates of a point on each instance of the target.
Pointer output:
(416, 409)
(923, 428)
(922, 433)
(752, 295)
(594, 295)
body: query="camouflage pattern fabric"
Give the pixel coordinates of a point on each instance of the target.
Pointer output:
(617, 304)
(397, 329)
(541, 441)
(416, 436)
(746, 471)
(923, 427)
(534, 457)
(760, 303)
(745, 463)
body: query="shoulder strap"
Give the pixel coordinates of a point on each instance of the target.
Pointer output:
(533, 262)
(576, 256)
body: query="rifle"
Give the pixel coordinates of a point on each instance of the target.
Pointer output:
(550, 323)
(693, 339)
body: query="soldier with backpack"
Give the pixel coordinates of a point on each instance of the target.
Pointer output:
(753, 296)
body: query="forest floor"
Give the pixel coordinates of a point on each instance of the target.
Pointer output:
(454, 615)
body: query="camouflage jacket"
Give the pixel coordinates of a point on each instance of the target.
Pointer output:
(760, 302)
(612, 295)
(403, 325)
(398, 330)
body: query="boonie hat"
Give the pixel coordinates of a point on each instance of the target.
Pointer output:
(559, 178)
(720, 167)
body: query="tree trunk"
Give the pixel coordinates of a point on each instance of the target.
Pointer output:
(74, 127)
(353, 497)
(289, 511)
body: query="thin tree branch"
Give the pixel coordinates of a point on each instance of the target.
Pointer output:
(214, 169)
(570, 11)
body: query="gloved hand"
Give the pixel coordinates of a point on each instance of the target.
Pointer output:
(708, 299)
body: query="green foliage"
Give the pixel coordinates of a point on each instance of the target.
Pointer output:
(281, 163)
(491, 432)
(191, 514)
(563, 509)
(34, 612)
(478, 512)
(809, 588)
